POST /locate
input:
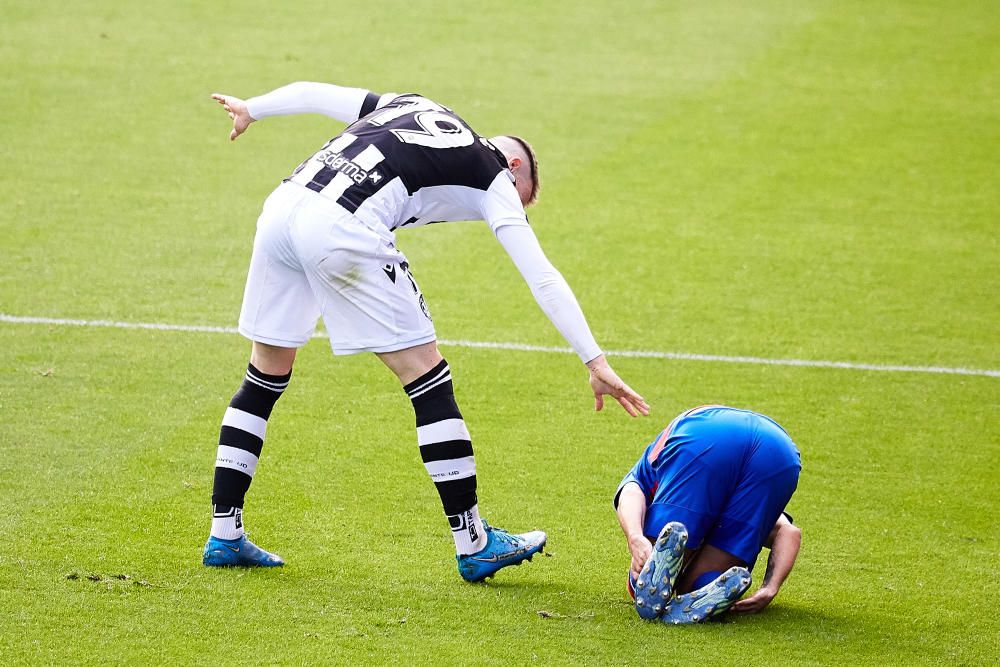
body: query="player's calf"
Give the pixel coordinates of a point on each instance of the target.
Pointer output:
(241, 439)
(446, 450)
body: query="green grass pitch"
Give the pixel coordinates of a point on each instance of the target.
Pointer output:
(777, 179)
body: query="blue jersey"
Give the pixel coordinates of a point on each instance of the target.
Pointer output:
(726, 474)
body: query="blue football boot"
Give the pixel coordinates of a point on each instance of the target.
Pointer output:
(238, 553)
(710, 600)
(502, 549)
(655, 584)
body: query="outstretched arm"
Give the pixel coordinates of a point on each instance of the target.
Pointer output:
(631, 514)
(338, 102)
(784, 541)
(558, 303)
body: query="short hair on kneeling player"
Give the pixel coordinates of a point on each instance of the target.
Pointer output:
(515, 146)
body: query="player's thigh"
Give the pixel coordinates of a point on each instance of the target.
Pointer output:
(752, 512)
(279, 308)
(369, 299)
(769, 478)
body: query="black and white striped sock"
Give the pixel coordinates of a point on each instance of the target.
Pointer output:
(240, 442)
(446, 449)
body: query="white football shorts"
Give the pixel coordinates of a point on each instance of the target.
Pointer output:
(312, 258)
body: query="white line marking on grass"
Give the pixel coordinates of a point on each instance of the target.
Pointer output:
(521, 347)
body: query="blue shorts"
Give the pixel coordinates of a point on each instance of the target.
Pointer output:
(726, 474)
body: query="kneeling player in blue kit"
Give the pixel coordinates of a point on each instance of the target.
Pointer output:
(697, 508)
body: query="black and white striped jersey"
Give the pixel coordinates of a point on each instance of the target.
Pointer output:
(412, 162)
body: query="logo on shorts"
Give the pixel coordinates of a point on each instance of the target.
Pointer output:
(390, 270)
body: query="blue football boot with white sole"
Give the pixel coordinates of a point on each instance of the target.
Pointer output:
(710, 600)
(502, 549)
(655, 584)
(238, 553)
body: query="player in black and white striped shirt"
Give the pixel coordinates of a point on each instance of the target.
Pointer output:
(326, 247)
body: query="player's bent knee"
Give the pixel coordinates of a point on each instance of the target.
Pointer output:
(272, 359)
(413, 362)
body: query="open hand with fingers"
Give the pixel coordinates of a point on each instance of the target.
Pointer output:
(237, 110)
(756, 602)
(605, 382)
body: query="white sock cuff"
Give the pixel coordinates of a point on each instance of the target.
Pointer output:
(468, 531)
(228, 525)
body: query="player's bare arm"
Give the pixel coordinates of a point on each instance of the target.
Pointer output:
(784, 542)
(631, 514)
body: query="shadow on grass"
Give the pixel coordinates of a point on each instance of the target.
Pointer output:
(780, 616)
(778, 619)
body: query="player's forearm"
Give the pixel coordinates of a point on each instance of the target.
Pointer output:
(559, 304)
(631, 510)
(339, 102)
(550, 289)
(780, 561)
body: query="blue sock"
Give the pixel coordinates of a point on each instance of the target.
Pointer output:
(704, 579)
